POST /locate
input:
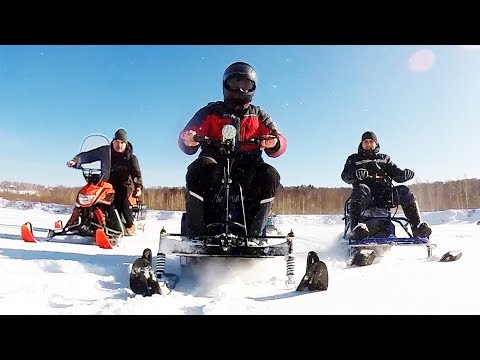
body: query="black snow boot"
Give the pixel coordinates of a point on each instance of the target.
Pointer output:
(260, 219)
(358, 229)
(419, 228)
(194, 222)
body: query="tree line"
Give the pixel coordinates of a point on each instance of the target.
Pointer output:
(292, 200)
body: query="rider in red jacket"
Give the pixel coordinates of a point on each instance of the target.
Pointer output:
(259, 180)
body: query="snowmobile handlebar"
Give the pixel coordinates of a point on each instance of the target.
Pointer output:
(383, 175)
(209, 141)
(75, 165)
(90, 175)
(380, 175)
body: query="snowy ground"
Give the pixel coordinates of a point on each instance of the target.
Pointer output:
(76, 277)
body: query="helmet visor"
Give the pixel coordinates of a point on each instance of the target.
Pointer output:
(239, 82)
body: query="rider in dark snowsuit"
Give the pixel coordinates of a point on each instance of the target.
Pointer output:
(370, 172)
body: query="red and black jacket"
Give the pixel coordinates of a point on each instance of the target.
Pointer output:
(254, 123)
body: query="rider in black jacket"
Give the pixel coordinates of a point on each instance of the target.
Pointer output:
(365, 171)
(125, 175)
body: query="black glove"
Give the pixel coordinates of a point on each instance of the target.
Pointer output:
(405, 176)
(361, 174)
(408, 174)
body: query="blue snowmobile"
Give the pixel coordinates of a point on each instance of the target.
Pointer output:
(381, 219)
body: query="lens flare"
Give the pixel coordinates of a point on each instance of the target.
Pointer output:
(421, 61)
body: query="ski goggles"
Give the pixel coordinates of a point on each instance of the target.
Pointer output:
(240, 82)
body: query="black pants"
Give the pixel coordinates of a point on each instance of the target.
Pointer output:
(258, 180)
(121, 203)
(362, 196)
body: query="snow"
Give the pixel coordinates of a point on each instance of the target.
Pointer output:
(76, 277)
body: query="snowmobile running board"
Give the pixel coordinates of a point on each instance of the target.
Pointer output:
(392, 241)
(364, 251)
(382, 244)
(365, 256)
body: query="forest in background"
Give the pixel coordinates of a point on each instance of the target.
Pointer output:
(292, 200)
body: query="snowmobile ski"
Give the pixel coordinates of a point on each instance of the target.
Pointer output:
(452, 255)
(27, 233)
(316, 275)
(101, 239)
(363, 257)
(145, 282)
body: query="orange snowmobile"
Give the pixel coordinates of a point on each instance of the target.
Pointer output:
(94, 214)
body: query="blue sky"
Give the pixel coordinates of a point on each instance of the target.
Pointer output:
(422, 102)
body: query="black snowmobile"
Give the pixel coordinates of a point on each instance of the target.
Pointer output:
(225, 233)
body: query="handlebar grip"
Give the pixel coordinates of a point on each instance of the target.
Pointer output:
(206, 139)
(199, 138)
(385, 175)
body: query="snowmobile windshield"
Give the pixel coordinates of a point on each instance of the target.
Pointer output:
(94, 158)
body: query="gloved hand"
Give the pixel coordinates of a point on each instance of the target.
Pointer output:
(137, 192)
(361, 174)
(71, 163)
(269, 141)
(408, 174)
(187, 137)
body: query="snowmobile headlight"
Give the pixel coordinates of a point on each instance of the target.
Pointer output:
(229, 132)
(85, 199)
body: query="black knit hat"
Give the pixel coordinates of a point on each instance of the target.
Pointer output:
(121, 134)
(370, 135)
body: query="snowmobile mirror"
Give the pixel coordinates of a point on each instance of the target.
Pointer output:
(229, 132)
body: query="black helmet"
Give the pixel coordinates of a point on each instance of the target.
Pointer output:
(241, 71)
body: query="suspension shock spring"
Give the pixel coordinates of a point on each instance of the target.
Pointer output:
(160, 265)
(290, 260)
